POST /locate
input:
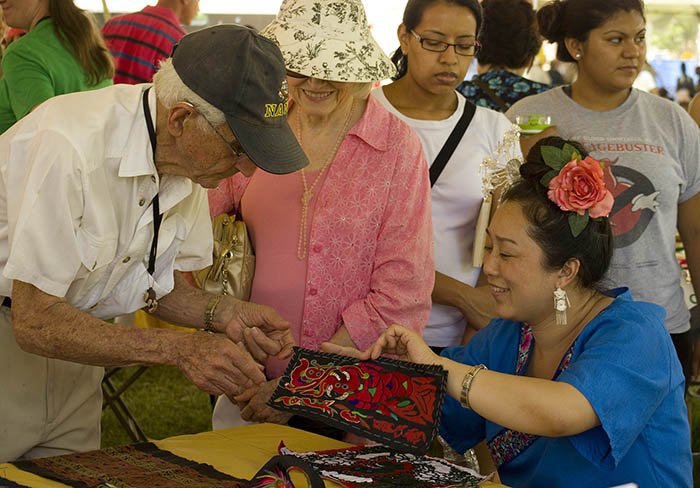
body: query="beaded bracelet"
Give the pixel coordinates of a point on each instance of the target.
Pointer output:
(209, 314)
(467, 383)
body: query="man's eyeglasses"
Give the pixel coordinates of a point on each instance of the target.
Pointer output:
(463, 49)
(235, 152)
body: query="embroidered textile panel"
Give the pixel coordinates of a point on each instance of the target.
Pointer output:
(136, 466)
(392, 402)
(357, 467)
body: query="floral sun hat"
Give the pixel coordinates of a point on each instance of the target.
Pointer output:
(329, 40)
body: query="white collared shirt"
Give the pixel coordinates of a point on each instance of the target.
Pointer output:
(77, 179)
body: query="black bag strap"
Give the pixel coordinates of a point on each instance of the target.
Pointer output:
(490, 93)
(451, 143)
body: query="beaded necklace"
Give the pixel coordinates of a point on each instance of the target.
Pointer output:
(308, 193)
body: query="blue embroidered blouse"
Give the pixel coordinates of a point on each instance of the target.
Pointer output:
(508, 86)
(625, 364)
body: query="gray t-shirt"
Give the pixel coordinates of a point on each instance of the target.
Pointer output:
(651, 148)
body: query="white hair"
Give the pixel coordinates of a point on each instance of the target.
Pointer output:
(170, 89)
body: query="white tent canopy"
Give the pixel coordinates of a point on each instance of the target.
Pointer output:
(384, 16)
(245, 7)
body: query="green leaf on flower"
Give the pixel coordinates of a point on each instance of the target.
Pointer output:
(577, 222)
(570, 153)
(549, 176)
(553, 157)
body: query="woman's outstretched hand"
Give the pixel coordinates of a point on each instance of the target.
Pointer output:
(396, 340)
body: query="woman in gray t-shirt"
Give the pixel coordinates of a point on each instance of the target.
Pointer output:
(650, 146)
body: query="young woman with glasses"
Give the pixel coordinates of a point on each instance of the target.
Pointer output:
(438, 42)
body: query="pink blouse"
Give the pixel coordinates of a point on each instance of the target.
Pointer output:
(370, 256)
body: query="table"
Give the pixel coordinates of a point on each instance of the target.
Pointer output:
(240, 451)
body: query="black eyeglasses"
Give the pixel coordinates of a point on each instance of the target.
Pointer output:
(236, 153)
(463, 49)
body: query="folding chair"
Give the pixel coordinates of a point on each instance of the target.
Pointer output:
(112, 399)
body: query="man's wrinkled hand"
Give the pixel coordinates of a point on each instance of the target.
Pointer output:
(216, 365)
(253, 404)
(263, 331)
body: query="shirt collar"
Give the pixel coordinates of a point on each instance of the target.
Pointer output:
(373, 127)
(137, 159)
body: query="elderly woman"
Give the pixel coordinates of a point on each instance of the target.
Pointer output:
(62, 52)
(586, 393)
(343, 247)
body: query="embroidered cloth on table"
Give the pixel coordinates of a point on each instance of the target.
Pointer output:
(380, 467)
(135, 466)
(509, 444)
(392, 402)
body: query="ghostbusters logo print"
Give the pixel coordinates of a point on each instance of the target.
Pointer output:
(636, 202)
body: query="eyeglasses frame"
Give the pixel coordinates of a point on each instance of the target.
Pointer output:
(237, 154)
(476, 45)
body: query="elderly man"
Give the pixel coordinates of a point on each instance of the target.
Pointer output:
(102, 207)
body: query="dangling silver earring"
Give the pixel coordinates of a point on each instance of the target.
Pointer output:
(561, 303)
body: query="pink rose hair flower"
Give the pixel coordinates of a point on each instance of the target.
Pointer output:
(580, 186)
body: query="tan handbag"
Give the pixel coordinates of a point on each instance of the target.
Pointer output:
(232, 270)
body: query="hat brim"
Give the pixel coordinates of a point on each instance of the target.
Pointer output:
(332, 59)
(275, 149)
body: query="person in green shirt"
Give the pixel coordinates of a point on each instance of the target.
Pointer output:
(62, 52)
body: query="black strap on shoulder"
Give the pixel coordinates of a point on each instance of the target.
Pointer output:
(490, 93)
(451, 144)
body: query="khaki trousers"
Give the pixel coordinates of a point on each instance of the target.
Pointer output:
(47, 406)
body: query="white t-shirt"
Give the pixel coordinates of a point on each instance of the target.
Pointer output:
(76, 183)
(456, 200)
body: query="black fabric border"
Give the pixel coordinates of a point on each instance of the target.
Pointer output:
(30, 467)
(402, 366)
(202, 468)
(5, 483)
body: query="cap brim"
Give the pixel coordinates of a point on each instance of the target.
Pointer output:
(272, 149)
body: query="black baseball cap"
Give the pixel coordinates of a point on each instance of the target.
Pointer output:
(242, 74)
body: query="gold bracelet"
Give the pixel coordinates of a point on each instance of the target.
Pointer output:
(209, 314)
(467, 383)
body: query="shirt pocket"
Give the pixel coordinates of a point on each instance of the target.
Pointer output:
(95, 252)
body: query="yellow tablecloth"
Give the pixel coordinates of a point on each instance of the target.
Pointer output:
(239, 452)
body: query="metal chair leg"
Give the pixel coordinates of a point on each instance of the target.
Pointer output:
(112, 399)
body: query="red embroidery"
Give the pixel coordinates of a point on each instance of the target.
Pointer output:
(393, 402)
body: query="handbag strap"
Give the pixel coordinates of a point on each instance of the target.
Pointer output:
(451, 143)
(490, 93)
